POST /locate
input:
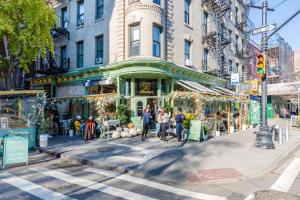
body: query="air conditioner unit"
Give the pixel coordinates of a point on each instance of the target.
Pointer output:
(80, 22)
(99, 60)
(188, 62)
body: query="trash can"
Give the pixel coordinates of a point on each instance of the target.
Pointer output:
(276, 133)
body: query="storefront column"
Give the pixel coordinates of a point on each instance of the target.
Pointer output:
(132, 89)
(86, 104)
(160, 101)
(53, 88)
(228, 116)
(172, 84)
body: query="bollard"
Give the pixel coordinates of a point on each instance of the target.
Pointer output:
(280, 136)
(276, 133)
(286, 133)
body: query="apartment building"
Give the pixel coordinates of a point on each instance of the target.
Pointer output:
(125, 46)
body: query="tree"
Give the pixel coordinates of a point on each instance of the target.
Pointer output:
(25, 32)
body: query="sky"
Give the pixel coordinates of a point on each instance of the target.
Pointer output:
(291, 31)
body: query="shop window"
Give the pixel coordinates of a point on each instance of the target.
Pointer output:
(164, 86)
(146, 87)
(127, 87)
(139, 108)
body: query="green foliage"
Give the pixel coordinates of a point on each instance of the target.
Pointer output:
(25, 32)
(187, 120)
(123, 113)
(206, 130)
(298, 121)
(46, 124)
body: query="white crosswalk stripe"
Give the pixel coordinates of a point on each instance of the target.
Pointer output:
(32, 188)
(155, 185)
(287, 178)
(92, 185)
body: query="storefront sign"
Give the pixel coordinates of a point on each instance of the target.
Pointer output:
(196, 130)
(15, 150)
(235, 79)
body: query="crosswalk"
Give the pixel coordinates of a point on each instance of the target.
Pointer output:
(31, 186)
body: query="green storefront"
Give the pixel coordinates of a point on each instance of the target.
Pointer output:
(135, 83)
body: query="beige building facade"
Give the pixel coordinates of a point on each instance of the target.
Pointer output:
(119, 16)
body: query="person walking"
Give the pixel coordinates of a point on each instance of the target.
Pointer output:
(179, 118)
(164, 118)
(89, 129)
(146, 122)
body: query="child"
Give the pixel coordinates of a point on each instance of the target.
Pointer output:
(77, 124)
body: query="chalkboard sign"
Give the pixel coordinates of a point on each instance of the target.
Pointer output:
(137, 122)
(15, 150)
(196, 130)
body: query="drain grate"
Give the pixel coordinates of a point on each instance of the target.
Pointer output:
(106, 149)
(62, 164)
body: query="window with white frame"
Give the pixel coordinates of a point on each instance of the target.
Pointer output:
(135, 40)
(156, 48)
(80, 13)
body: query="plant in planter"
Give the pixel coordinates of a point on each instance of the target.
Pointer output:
(123, 114)
(71, 127)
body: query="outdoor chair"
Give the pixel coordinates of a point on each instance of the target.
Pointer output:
(107, 128)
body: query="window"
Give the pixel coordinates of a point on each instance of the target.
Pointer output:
(64, 63)
(230, 66)
(80, 13)
(99, 49)
(236, 15)
(156, 41)
(79, 54)
(205, 22)
(99, 9)
(156, 2)
(187, 4)
(205, 59)
(187, 48)
(135, 40)
(236, 43)
(237, 68)
(64, 18)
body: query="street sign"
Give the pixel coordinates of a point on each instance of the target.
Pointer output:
(263, 29)
(235, 78)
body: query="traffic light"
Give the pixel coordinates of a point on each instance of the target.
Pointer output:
(261, 65)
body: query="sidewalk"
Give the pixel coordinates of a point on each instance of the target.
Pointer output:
(225, 158)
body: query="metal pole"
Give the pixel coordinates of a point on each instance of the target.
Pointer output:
(264, 45)
(298, 102)
(264, 136)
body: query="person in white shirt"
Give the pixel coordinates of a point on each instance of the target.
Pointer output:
(164, 119)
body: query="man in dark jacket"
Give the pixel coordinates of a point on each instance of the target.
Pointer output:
(179, 120)
(146, 122)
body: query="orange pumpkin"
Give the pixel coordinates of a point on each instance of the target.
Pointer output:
(130, 125)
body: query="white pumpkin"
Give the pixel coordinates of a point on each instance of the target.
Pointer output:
(139, 131)
(133, 132)
(116, 134)
(119, 129)
(126, 129)
(124, 134)
(129, 134)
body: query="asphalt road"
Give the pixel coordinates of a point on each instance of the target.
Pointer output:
(50, 178)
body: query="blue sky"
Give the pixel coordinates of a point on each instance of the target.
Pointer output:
(291, 32)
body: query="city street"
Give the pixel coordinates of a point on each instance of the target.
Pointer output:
(53, 178)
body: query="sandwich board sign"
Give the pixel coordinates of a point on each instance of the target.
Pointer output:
(235, 79)
(15, 150)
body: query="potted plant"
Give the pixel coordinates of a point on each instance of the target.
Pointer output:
(71, 127)
(205, 131)
(122, 114)
(46, 125)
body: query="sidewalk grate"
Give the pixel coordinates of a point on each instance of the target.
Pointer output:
(62, 164)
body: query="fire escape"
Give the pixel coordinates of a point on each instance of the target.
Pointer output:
(216, 41)
(244, 26)
(54, 64)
